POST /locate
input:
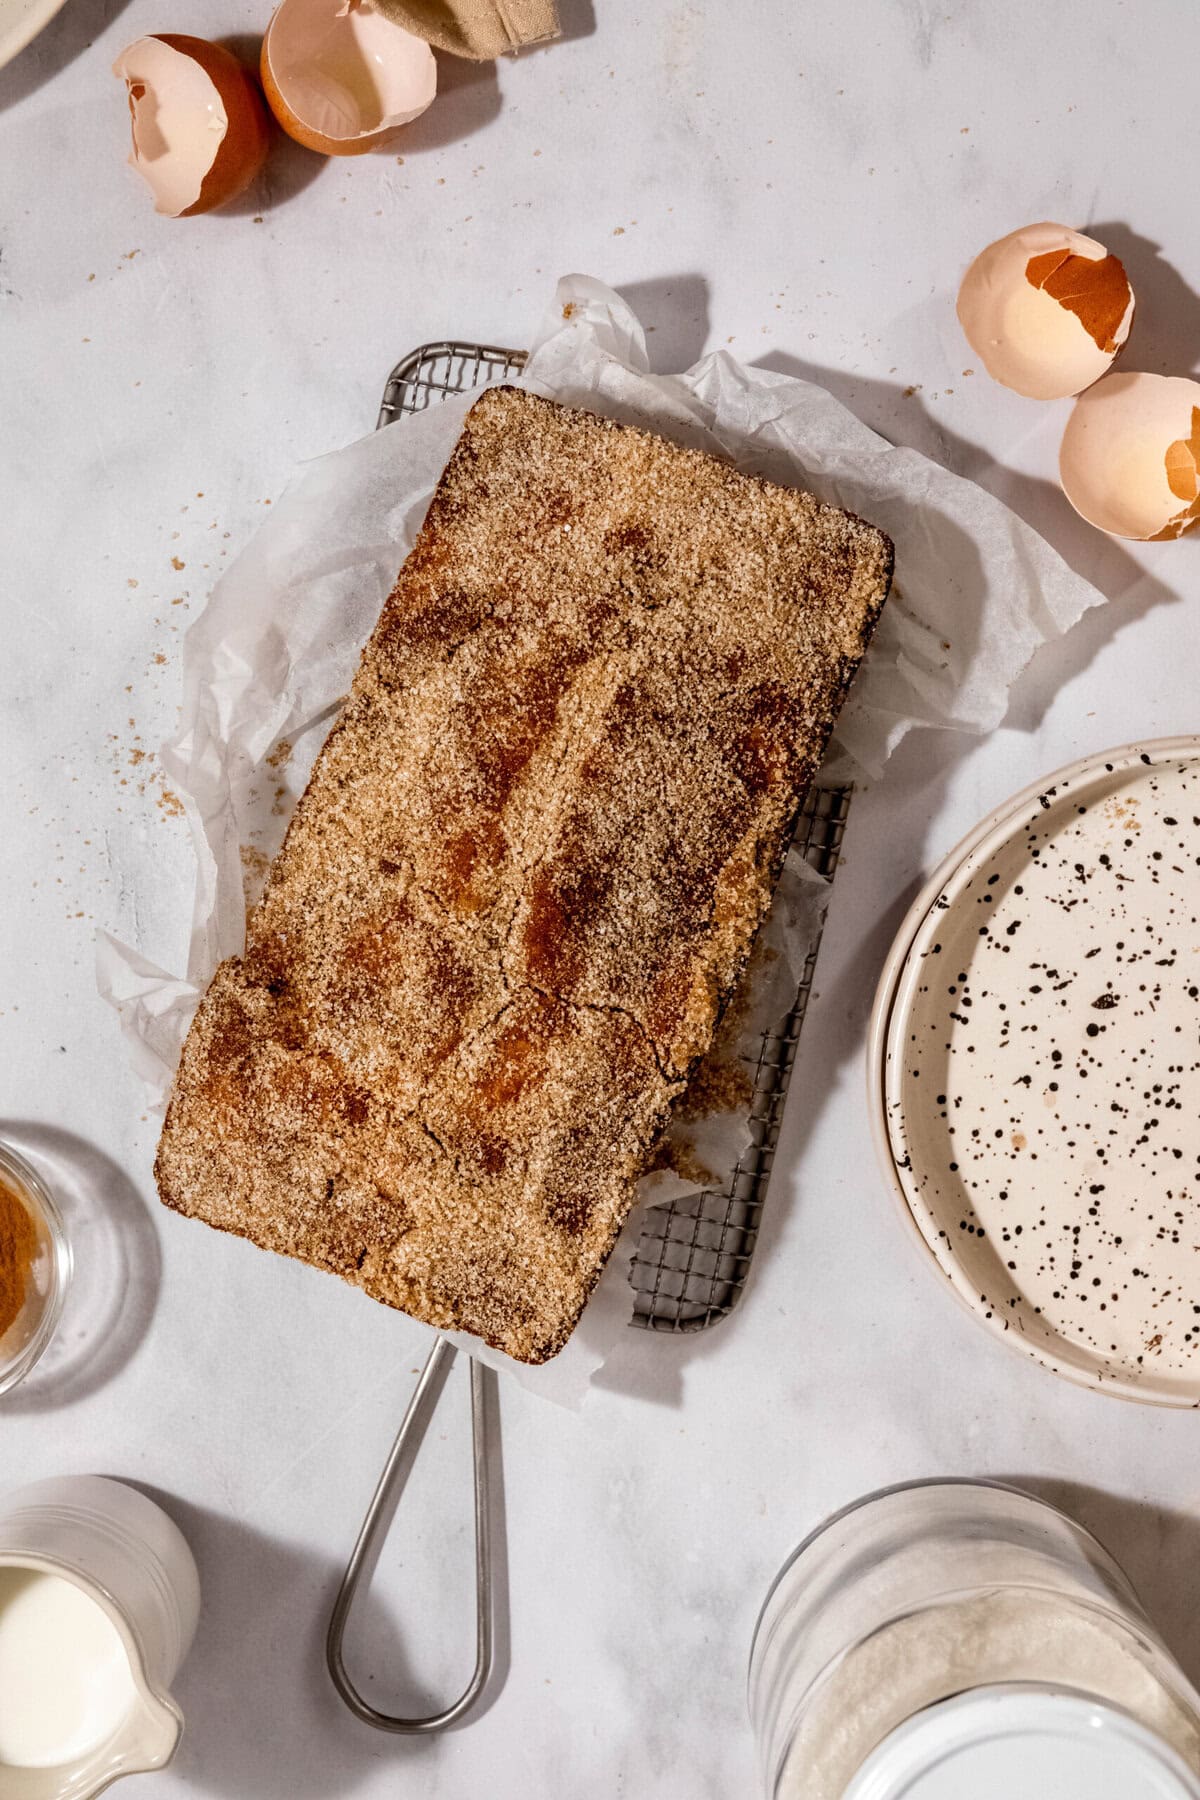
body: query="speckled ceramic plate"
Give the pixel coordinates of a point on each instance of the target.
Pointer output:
(1035, 1058)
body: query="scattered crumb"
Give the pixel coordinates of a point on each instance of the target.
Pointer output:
(177, 564)
(570, 309)
(715, 1087)
(618, 231)
(281, 755)
(255, 865)
(159, 657)
(130, 582)
(910, 391)
(681, 1160)
(130, 254)
(968, 371)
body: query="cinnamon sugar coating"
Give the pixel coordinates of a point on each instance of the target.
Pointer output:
(526, 871)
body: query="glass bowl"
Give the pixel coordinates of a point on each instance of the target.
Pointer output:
(27, 1335)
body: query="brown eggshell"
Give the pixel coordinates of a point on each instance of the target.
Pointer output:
(199, 127)
(342, 78)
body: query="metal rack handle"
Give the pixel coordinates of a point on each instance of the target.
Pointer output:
(373, 1535)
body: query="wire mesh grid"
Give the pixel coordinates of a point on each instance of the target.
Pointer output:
(437, 371)
(693, 1255)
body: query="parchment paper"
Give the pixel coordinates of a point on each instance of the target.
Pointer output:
(268, 661)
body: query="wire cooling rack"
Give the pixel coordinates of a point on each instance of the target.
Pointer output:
(694, 1255)
(436, 371)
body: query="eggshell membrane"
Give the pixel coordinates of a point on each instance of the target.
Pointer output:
(1028, 339)
(199, 128)
(1130, 456)
(340, 77)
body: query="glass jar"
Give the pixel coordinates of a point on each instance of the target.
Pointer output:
(43, 1268)
(957, 1638)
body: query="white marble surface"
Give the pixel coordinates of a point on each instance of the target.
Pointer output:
(803, 184)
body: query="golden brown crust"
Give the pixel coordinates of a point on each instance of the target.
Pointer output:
(526, 871)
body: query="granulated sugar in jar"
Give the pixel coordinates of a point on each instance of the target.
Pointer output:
(955, 1638)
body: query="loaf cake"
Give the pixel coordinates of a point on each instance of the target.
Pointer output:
(526, 871)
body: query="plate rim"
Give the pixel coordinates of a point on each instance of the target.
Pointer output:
(880, 1029)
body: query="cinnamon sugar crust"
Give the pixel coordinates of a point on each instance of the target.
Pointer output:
(526, 872)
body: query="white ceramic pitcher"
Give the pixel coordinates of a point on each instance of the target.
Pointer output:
(132, 1560)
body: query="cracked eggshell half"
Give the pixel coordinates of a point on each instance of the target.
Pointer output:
(1130, 456)
(1046, 310)
(340, 77)
(200, 132)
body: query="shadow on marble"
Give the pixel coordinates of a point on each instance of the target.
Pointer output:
(1166, 326)
(578, 20)
(69, 33)
(674, 311)
(261, 1716)
(652, 1365)
(117, 1267)
(468, 98)
(1157, 1546)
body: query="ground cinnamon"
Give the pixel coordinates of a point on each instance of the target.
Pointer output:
(1095, 290)
(18, 1247)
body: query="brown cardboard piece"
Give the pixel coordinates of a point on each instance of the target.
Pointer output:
(479, 29)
